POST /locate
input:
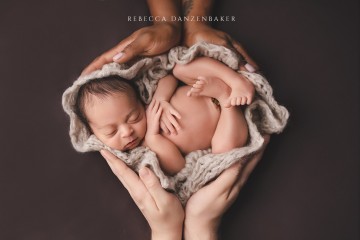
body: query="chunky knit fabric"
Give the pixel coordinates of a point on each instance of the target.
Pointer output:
(264, 116)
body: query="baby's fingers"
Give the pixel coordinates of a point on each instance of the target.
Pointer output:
(157, 110)
(174, 122)
(164, 128)
(168, 125)
(153, 106)
(175, 113)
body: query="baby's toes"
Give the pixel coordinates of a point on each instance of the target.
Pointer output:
(243, 100)
(198, 85)
(201, 81)
(189, 93)
(193, 92)
(249, 100)
(233, 101)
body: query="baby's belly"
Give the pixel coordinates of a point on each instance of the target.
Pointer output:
(199, 118)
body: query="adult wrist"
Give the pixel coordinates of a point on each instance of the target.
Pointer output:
(172, 29)
(194, 28)
(175, 234)
(175, 26)
(190, 26)
(200, 229)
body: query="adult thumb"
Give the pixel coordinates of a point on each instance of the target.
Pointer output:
(131, 51)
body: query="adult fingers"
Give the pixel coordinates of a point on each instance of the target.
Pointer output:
(109, 56)
(225, 181)
(117, 51)
(250, 64)
(126, 175)
(131, 50)
(97, 63)
(153, 186)
(248, 169)
(135, 186)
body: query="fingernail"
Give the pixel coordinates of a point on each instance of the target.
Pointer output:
(144, 172)
(118, 56)
(250, 68)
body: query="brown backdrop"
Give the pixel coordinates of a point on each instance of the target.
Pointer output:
(306, 186)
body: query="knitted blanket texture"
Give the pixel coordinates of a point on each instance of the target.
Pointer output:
(264, 116)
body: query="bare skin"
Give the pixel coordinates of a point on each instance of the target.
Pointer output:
(200, 124)
(242, 90)
(199, 119)
(231, 117)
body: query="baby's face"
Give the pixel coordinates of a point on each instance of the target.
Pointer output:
(117, 120)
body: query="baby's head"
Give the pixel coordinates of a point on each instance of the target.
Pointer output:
(112, 110)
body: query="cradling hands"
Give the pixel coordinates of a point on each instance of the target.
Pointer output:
(195, 32)
(147, 41)
(206, 207)
(162, 210)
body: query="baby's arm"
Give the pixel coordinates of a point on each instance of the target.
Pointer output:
(242, 90)
(170, 158)
(165, 89)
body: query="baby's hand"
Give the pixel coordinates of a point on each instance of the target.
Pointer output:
(168, 121)
(153, 113)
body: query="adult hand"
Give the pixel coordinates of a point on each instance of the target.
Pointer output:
(197, 32)
(162, 210)
(147, 41)
(206, 207)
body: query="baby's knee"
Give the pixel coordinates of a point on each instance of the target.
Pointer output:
(226, 146)
(179, 71)
(223, 147)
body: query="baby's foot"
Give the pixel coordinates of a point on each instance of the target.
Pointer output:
(211, 87)
(242, 92)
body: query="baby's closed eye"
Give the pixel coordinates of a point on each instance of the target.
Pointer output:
(135, 117)
(110, 133)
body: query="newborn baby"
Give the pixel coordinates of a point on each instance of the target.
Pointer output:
(113, 112)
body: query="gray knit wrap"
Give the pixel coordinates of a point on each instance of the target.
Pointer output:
(264, 116)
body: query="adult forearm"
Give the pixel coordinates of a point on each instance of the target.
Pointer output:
(165, 9)
(197, 7)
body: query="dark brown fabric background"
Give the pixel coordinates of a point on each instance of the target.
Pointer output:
(306, 186)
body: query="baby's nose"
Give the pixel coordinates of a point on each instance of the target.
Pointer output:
(126, 130)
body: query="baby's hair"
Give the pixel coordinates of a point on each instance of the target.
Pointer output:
(102, 87)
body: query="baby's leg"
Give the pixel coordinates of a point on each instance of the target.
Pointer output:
(211, 87)
(242, 90)
(231, 131)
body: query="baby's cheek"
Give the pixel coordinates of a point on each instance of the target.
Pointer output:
(114, 143)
